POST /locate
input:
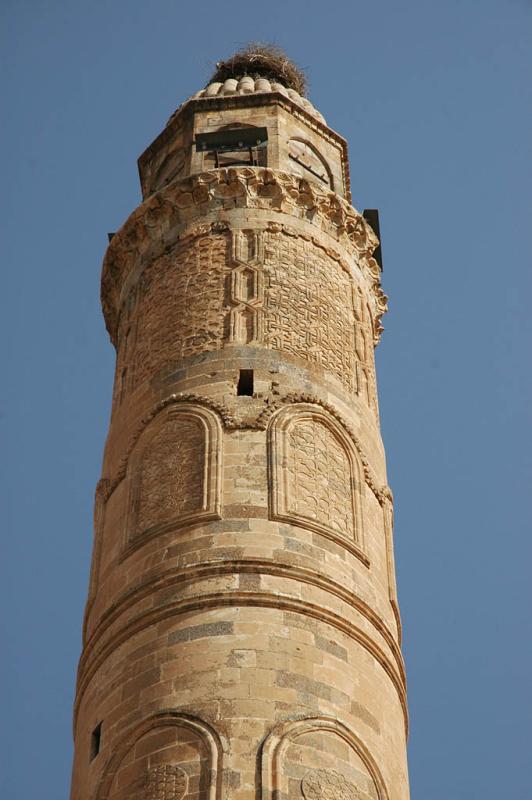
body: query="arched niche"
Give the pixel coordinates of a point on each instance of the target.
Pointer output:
(307, 161)
(172, 167)
(318, 758)
(316, 478)
(174, 472)
(169, 756)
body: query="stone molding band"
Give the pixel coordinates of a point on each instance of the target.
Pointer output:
(217, 600)
(153, 227)
(174, 577)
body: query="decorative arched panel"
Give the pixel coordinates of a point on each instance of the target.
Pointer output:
(167, 757)
(307, 162)
(174, 472)
(316, 476)
(318, 758)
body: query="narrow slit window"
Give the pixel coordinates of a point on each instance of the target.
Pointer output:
(96, 740)
(245, 383)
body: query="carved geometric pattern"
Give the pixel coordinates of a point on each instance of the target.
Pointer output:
(327, 784)
(124, 372)
(179, 310)
(246, 288)
(364, 355)
(166, 782)
(283, 290)
(175, 472)
(307, 308)
(316, 475)
(171, 481)
(319, 476)
(198, 195)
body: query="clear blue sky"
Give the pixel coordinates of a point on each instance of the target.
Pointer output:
(434, 97)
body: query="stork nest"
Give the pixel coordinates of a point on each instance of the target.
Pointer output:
(262, 61)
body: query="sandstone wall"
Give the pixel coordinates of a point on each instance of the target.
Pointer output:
(242, 636)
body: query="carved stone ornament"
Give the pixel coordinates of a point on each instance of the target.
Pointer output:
(327, 784)
(164, 217)
(316, 476)
(166, 782)
(175, 474)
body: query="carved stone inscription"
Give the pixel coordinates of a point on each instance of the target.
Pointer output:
(327, 784)
(166, 782)
(319, 477)
(171, 480)
(308, 307)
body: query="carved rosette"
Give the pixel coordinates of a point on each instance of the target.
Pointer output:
(327, 784)
(166, 782)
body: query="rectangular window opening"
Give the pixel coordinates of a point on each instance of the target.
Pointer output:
(245, 383)
(96, 740)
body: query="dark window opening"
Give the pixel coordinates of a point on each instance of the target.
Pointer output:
(96, 740)
(233, 147)
(371, 215)
(245, 383)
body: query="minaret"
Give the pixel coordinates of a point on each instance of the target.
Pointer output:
(242, 634)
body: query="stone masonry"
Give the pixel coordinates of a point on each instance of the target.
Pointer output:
(242, 635)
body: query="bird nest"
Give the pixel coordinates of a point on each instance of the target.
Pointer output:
(262, 61)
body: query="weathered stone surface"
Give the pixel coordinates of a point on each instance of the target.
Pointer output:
(242, 636)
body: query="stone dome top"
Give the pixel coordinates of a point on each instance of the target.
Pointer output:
(256, 85)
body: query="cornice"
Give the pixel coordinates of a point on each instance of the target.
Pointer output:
(163, 218)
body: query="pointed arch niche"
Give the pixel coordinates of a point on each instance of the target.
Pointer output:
(170, 756)
(316, 477)
(174, 472)
(318, 758)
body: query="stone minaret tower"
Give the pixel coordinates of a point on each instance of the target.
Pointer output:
(242, 635)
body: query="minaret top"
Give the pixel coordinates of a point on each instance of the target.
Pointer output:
(258, 69)
(259, 60)
(253, 112)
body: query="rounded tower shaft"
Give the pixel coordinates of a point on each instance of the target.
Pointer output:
(242, 635)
